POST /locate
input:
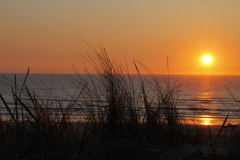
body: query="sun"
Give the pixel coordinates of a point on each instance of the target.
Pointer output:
(207, 59)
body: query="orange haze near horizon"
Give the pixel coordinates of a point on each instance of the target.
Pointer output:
(48, 36)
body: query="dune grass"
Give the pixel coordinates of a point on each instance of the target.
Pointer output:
(125, 103)
(39, 129)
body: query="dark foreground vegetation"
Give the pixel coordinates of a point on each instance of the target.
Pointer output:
(124, 119)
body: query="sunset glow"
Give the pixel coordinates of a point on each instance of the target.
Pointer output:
(51, 36)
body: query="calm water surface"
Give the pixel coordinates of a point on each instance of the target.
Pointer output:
(204, 99)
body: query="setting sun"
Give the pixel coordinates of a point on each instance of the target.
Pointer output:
(207, 59)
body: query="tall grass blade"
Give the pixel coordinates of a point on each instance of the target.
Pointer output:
(220, 130)
(8, 109)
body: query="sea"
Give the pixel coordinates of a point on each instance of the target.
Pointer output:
(201, 99)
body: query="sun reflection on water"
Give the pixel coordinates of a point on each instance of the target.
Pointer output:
(206, 120)
(206, 97)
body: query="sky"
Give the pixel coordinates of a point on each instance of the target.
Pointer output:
(50, 36)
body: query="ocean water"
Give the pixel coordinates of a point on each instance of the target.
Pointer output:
(203, 100)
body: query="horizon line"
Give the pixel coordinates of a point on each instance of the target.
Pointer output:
(164, 74)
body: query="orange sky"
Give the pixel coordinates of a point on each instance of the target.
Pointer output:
(47, 35)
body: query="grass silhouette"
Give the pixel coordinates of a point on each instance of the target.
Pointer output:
(124, 119)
